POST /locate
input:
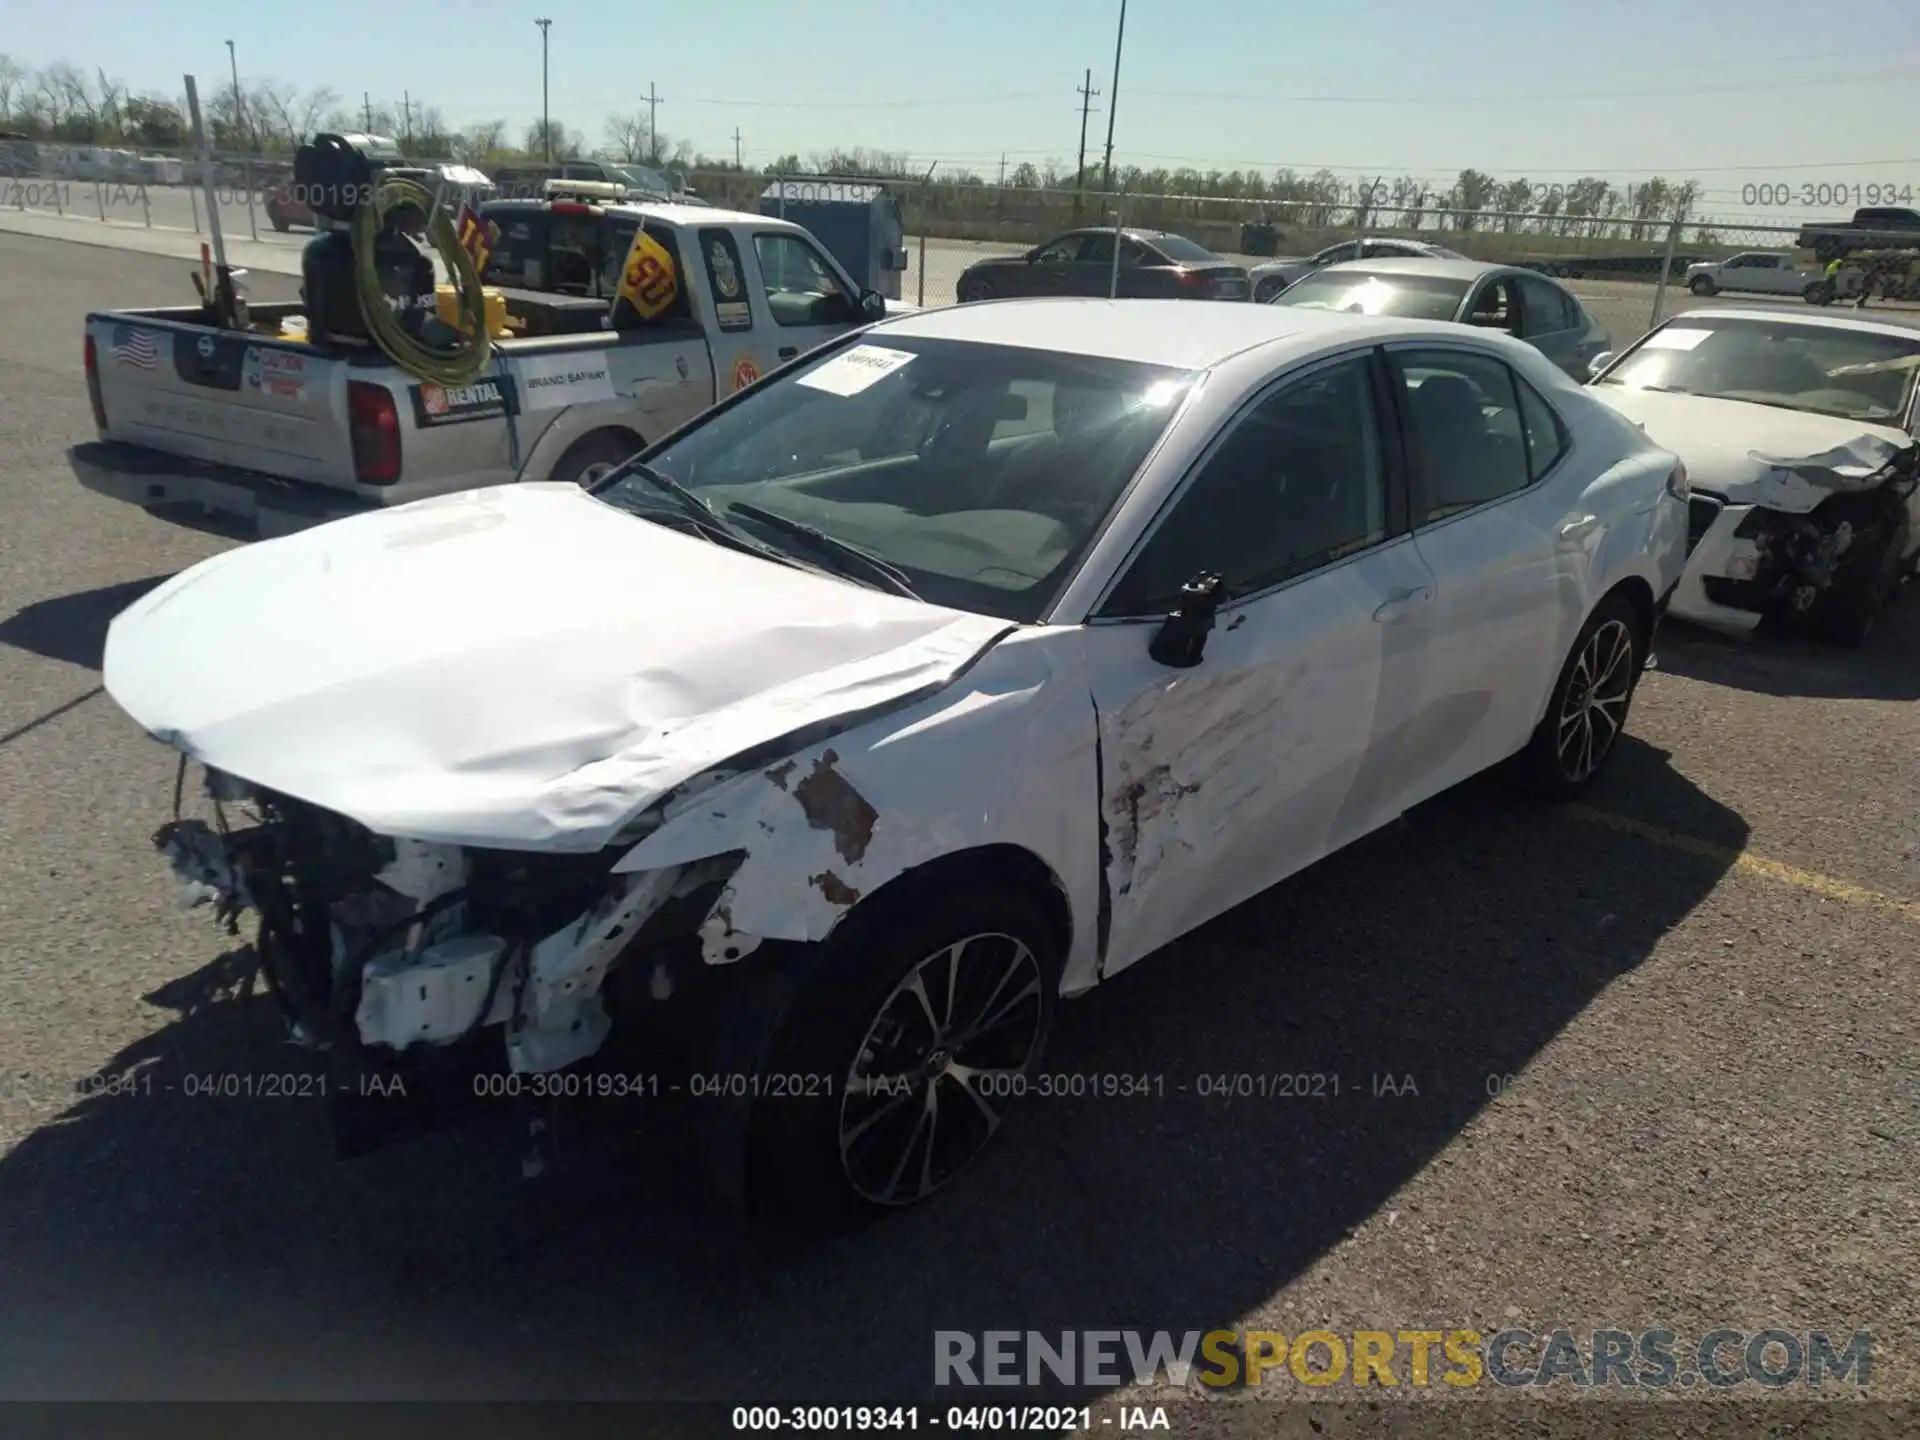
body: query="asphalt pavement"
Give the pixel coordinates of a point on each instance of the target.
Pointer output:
(1661, 1050)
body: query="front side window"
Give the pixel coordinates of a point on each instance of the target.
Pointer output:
(1297, 482)
(1469, 442)
(1825, 370)
(801, 286)
(1063, 251)
(982, 472)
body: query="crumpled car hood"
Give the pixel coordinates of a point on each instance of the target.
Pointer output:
(1786, 460)
(520, 667)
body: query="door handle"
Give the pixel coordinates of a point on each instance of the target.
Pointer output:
(787, 352)
(1401, 601)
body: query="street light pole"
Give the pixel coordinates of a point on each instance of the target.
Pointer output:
(239, 112)
(1113, 98)
(546, 120)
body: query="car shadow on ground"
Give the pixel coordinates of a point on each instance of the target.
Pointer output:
(73, 628)
(1886, 666)
(1443, 952)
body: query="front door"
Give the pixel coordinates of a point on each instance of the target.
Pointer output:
(1481, 440)
(806, 299)
(1222, 779)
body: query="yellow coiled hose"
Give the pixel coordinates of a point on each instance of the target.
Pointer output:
(460, 365)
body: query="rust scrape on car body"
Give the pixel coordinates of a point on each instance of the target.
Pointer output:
(836, 890)
(778, 773)
(831, 803)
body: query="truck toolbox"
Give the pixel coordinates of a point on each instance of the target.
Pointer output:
(184, 489)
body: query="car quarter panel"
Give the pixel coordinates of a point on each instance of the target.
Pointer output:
(1005, 755)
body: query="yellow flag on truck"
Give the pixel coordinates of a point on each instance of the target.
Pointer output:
(647, 282)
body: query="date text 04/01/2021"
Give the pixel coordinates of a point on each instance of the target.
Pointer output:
(957, 1419)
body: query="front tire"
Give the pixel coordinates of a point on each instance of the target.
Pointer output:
(1702, 285)
(926, 1019)
(1590, 702)
(976, 287)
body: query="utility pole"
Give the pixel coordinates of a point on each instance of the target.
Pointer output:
(1003, 169)
(239, 110)
(1113, 98)
(366, 104)
(738, 163)
(1086, 93)
(653, 125)
(406, 109)
(546, 120)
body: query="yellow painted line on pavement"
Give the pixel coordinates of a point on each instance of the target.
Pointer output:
(1844, 891)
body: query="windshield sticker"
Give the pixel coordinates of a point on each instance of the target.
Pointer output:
(552, 382)
(854, 371)
(1676, 338)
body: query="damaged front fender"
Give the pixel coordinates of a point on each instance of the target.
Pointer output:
(1005, 756)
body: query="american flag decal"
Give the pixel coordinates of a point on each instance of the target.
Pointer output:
(135, 347)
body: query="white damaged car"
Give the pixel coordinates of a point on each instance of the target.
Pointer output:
(952, 669)
(1798, 435)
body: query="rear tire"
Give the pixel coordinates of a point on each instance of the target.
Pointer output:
(828, 1155)
(1588, 708)
(592, 456)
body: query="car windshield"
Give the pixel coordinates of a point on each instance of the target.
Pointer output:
(1182, 251)
(981, 473)
(638, 177)
(1411, 297)
(1824, 369)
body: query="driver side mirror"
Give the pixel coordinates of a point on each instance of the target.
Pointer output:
(1599, 363)
(1181, 641)
(873, 305)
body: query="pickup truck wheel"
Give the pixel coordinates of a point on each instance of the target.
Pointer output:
(899, 1056)
(280, 221)
(1590, 701)
(592, 457)
(1702, 285)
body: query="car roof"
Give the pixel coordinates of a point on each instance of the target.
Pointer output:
(1185, 334)
(1439, 266)
(1801, 315)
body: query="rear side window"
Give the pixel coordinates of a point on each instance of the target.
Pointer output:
(726, 277)
(519, 258)
(1549, 309)
(1469, 441)
(1546, 435)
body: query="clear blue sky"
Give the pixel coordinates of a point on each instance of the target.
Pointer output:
(1710, 90)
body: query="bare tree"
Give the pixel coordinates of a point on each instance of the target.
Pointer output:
(13, 85)
(113, 98)
(567, 144)
(271, 107)
(629, 137)
(480, 142)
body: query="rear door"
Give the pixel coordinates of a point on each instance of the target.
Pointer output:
(739, 328)
(1482, 448)
(225, 398)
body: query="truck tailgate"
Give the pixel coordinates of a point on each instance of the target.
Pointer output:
(248, 401)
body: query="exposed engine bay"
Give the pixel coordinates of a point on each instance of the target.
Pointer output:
(390, 954)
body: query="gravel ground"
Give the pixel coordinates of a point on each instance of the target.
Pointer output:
(1701, 986)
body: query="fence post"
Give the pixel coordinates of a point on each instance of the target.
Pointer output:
(193, 199)
(246, 175)
(99, 202)
(926, 216)
(1119, 212)
(146, 207)
(1666, 270)
(59, 205)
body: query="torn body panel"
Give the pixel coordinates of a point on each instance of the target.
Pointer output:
(1004, 756)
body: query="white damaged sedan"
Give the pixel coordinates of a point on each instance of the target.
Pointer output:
(952, 669)
(1798, 435)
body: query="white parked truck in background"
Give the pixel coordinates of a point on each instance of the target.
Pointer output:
(262, 434)
(1758, 271)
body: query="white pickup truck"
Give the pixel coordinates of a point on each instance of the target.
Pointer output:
(253, 433)
(1761, 272)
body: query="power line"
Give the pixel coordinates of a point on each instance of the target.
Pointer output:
(1665, 92)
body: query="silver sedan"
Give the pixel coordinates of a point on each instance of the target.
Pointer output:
(1524, 304)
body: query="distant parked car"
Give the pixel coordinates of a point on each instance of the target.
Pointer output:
(1527, 306)
(1153, 265)
(1274, 276)
(1758, 271)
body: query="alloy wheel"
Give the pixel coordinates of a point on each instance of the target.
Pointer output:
(945, 1055)
(1594, 710)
